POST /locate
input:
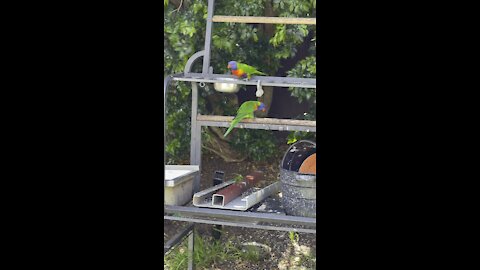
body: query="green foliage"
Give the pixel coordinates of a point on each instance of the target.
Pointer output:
(306, 68)
(178, 118)
(184, 34)
(300, 258)
(294, 237)
(238, 178)
(300, 135)
(288, 8)
(257, 144)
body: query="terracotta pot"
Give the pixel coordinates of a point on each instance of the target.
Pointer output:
(309, 165)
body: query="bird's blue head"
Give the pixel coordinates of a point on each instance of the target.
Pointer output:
(261, 107)
(232, 65)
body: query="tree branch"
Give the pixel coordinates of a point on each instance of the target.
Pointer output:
(175, 2)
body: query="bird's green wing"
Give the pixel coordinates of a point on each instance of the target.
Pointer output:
(232, 125)
(235, 121)
(249, 69)
(245, 111)
(248, 107)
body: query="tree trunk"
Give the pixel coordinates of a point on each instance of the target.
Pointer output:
(268, 31)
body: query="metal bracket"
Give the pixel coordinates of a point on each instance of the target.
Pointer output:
(195, 56)
(218, 177)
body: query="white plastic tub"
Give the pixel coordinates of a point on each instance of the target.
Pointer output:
(179, 183)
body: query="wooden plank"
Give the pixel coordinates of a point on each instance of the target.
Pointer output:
(261, 121)
(267, 20)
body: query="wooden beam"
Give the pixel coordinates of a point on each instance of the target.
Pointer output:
(267, 20)
(259, 123)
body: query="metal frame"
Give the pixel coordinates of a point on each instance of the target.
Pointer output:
(240, 224)
(265, 80)
(177, 238)
(244, 217)
(256, 220)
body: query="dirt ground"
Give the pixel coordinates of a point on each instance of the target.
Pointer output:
(279, 243)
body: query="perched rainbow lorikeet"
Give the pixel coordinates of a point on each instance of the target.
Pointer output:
(246, 110)
(242, 70)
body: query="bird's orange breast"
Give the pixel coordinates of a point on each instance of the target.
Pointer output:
(238, 72)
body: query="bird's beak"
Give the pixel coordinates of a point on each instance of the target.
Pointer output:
(264, 110)
(228, 66)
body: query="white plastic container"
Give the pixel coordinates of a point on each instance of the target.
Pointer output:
(179, 183)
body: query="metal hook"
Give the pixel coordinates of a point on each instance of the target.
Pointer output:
(259, 92)
(202, 84)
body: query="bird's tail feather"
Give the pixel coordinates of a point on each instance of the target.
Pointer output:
(228, 131)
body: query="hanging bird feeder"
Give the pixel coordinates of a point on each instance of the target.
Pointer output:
(227, 87)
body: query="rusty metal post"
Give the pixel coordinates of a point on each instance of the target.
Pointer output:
(231, 192)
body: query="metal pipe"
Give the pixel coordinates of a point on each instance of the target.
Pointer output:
(239, 216)
(191, 60)
(166, 83)
(208, 37)
(243, 225)
(177, 238)
(195, 138)
(266, 81)
(190, 249)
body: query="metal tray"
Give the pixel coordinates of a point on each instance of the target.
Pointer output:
(177, 174)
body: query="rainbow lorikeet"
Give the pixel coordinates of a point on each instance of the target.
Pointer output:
(246, 110)
(242, 70)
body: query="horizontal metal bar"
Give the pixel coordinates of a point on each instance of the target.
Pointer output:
(240, 216)
(243, 225)
(259, 123)
(267, 20)
(177, 238)
(264, 80)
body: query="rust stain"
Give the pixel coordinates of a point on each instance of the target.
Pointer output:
(234, 190)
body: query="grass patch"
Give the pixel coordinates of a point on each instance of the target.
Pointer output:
(298, 257)
(207, 252)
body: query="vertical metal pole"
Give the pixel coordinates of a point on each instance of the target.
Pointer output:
(195, 137)
(198, 155)
(166, 83)
(208, 37)
(193, 120)
(190, 250)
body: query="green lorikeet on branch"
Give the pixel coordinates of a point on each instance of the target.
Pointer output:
(246, 110)
(242, 70)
